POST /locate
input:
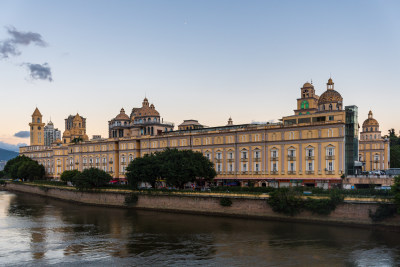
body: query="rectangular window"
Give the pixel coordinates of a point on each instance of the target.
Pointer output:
(274, 167)
(310, 166)
(330, 166)
(292, 167)
(244, 167)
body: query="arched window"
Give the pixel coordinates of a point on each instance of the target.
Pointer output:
(38, 120)
(330, 106)
(304, 105)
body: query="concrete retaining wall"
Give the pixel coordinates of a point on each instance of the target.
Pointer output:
(348, 213)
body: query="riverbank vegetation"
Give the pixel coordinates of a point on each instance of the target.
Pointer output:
(291, 202)
(175, 167)
(25, 168)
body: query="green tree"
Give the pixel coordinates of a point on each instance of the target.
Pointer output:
(143, 169)
(395, 156)
(12, 166)
(176, 167)
(77, 140)
(394, 149)
(396, 192)
(69, 176)
(179, 167)
(92, 178)
(30, 170)
(2, 174)
(286, 200)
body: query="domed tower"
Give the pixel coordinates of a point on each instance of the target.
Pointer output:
(147, 121)
(119, 126)
(374, 150)
(36, 129)
(330, 100)
(307, 103)
(145, 102)
(370, 128)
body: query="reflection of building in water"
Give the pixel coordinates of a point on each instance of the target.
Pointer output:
(38, 242)
(315, 146)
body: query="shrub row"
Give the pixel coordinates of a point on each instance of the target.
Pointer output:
(290, 202)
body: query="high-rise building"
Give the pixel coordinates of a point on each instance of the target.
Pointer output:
(51, 134)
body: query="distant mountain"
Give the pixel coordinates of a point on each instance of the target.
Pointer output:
(7, 154)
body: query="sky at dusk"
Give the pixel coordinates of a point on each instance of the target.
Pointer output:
(204, 60)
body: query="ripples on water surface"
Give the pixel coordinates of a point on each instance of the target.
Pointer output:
(39, 231)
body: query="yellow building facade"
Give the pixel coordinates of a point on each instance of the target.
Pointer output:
(36, 129)
(374, 149)
(307, 148)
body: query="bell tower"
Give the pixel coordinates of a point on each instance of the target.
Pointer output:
(37, 129)
(308, 100)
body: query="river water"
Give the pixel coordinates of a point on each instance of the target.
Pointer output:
(37, 231)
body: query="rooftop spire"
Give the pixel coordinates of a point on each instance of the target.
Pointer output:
(330, 84)
(36, 112)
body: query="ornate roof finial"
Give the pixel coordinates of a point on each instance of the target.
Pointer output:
(230, 122)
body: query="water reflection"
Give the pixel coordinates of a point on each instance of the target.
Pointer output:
(37, 231)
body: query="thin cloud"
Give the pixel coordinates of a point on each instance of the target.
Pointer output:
(26, 38)
(9, 47)
(22, 134)
(39, 71)
(11, 147)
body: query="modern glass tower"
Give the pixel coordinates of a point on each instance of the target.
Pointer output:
(351, 139)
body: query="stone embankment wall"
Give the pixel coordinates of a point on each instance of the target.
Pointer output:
(351, 212)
